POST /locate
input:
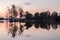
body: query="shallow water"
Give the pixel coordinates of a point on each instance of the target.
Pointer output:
(30, 34)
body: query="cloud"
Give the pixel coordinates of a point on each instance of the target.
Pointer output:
(27, 3)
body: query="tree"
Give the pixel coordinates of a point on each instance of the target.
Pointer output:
(28, 15)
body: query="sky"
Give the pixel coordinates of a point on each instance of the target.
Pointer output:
(31, 5)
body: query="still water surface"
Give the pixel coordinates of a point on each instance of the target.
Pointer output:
(30, 34)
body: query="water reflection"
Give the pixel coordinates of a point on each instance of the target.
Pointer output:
(43, 20)
(15, 28)
(12, 28)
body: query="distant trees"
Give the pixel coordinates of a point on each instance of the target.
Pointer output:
(43, 16)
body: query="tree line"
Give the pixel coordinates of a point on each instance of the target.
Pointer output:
(42, 16)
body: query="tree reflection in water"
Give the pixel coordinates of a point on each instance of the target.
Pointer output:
(13, 28)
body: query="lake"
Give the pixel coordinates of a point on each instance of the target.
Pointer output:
(29, 34)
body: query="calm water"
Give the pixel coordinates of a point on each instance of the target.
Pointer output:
(30, 34)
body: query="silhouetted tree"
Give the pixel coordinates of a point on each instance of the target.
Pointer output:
(28, 15)
(43, 16)
(54, 16)
(47, 15)
(21, 12)
(36, 16)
